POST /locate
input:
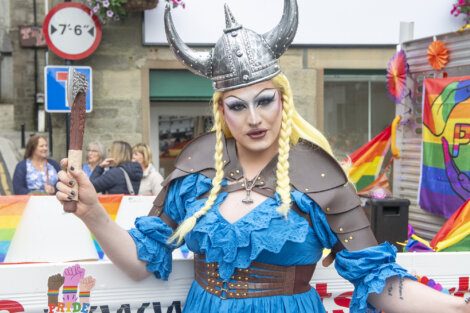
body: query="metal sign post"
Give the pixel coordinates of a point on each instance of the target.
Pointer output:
(72, 32)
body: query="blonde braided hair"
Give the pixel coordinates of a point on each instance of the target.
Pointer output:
(190, 222)
(293, 127)
(282, 170)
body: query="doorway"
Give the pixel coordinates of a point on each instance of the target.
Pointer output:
(172, 126)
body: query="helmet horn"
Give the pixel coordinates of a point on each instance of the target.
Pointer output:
(280, 37)
(197, 62)
(230, 22)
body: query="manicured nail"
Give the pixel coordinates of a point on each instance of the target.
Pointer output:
(72, 193)
(69, 197)
(71, 183)
(72, 168)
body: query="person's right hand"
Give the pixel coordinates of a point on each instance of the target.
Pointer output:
(108, 162)
(87, 196)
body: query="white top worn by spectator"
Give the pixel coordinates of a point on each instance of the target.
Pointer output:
(151, 182)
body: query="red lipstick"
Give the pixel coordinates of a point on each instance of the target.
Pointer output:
(257, 133)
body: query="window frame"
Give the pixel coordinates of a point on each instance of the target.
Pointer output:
(348, 75)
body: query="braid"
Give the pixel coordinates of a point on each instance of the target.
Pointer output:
(293, 127)
(190, 222)
(282, 171)
(300, 127)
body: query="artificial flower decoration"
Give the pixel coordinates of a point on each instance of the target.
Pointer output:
(397, 70)
(438, 55)
(107, 10)
(115, 10)
(462, 7)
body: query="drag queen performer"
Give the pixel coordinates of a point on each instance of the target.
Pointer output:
(257, 199)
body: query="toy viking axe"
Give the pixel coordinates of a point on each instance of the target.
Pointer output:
(77, 87)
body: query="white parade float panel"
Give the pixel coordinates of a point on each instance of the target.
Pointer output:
(49, 235)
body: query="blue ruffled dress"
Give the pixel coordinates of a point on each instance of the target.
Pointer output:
(263, 236)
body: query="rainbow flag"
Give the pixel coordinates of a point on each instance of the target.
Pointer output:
(368, 159)
(111, 204)
(454, 235)
(11, 211)
(445, 173)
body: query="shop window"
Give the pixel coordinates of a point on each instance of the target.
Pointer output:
(180, 111)
(175, 133)
(356, 108)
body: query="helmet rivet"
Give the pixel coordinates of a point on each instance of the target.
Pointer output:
(245, 77)
(234, 34)
(239, 53)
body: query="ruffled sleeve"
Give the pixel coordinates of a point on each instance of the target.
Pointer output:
(366, 269)
(151, 233)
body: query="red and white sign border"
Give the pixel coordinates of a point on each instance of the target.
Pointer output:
(60, 53)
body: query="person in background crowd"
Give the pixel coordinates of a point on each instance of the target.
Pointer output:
(36, 174)
(96, 153)
(123, 176)
(150, 184)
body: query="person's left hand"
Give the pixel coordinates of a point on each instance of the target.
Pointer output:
(108, 162)
(50, 190)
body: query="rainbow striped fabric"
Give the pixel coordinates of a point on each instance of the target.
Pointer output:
(445, 173)
(11, 210)
(111, 204)
(368, 159)
(454, 235)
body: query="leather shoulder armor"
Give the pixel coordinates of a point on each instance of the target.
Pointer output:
(196, 157)
(198, 154)
(312, 169)
(317, 174)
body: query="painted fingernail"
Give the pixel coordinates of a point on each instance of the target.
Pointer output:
(71, 183)
(69, 197)
(72, 168)
(72, 193)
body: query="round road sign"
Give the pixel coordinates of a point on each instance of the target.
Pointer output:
(72, 31)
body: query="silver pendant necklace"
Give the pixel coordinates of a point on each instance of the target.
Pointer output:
(248, 185)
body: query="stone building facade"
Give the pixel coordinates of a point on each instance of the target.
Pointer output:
(6, 68)
(28, 63)
(121, 69)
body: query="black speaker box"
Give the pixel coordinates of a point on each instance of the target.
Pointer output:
(388, 219)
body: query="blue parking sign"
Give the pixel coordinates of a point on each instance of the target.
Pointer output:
(55, 82)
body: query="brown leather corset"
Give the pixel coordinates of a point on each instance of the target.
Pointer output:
(259, 280)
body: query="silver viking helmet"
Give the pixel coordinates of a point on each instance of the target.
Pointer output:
(241, 57)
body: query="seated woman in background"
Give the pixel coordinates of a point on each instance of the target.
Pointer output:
(152, 180)
(96, 153)
(123, 176)
(36, 173)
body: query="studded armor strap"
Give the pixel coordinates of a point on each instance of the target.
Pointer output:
(321, 178)
(313, 172)
(258, 280)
